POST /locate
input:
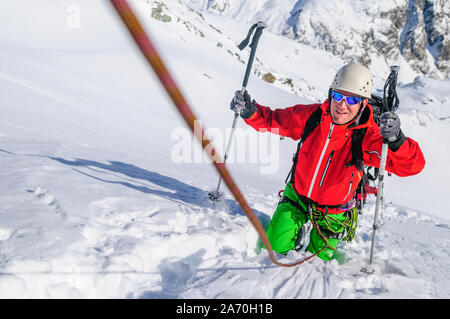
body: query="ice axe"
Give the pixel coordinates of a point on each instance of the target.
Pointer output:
(257, 28)
(390, 104)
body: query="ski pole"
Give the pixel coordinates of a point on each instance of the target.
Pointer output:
(216, 195)
(259, 29)
(384, 151)
(390, 104)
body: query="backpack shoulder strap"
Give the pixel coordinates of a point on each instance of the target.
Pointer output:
(312, 122)
(357, 153)
(357, 140)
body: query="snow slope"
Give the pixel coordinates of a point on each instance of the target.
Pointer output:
(93, 205)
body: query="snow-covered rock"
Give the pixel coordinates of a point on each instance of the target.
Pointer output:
(365, 31)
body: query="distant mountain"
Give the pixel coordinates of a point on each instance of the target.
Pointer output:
(415, 32)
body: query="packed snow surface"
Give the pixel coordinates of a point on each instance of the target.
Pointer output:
(96, 202)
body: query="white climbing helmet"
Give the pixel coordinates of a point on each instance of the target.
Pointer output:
(354, 78)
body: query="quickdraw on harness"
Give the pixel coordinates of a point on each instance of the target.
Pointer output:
(364, 188)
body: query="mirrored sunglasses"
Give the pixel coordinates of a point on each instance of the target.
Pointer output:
(350, 100)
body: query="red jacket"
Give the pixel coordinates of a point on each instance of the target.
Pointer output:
(321, 173)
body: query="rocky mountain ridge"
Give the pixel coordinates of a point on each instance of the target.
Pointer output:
(412, 33)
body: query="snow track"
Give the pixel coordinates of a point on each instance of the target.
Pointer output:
(159, 245)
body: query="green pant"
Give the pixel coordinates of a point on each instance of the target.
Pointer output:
(289, 218)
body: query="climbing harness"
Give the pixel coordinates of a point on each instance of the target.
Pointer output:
(315, 213)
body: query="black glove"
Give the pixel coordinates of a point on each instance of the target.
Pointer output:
(390, 130)
(242, 104)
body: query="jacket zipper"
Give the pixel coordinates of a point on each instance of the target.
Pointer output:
(320, 160)
(350, 186)
(326, 168)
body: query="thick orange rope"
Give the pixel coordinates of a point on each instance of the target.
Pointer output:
(152, 56)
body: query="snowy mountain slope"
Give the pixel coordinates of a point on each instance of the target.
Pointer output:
(92, 204)
(375, 33)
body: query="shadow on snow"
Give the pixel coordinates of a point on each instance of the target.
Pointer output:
(177, 190)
